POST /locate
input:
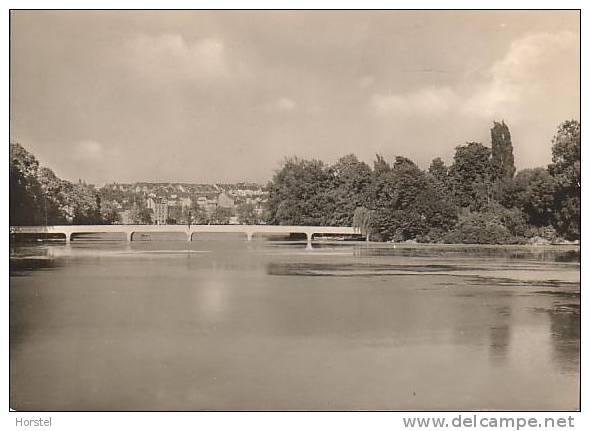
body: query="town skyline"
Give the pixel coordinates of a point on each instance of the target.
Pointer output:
(210, 96)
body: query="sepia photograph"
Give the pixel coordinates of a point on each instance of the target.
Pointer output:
(294, 211)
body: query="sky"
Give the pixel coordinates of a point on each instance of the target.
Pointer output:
(226, 96)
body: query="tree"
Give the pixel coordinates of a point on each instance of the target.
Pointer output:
(38, 196)
(532, 191)
(439, 212)
(221, 215)
(397, 225)
(380, 165)
(438, 170)
(479, 228)
(352, 180)
(566, 150)
(568, 218)
(198, 214)
(382, 190)
(409, 182)
(300, 193)
(494, 224)
(502, 155)
(53, 198)
(97, 209)
(408, 204)
(502, 160)
(438, 173)
(566, 170)
(82, 204)
(140, 214)
(470, 176)
(108, 213)
(247, 213)
(362, 221)
(25, 191)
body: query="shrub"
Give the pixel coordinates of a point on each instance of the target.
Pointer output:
(397, 225)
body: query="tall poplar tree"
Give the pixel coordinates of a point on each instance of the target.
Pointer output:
(502, 155)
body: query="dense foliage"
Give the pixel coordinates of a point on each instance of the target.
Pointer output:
(39, 197)
(479, 198)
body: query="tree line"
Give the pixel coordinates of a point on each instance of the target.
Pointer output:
(479, 198)
(39, 197)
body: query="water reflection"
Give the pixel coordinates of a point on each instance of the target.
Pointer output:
(213, 325)
(565, 335)
(23, 265)
(544, 254)
(499, 342)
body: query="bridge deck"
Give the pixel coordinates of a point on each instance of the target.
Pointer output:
(129, 230)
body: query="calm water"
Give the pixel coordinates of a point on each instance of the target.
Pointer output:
(231, 325)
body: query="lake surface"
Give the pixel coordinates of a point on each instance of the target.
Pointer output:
(225, 324)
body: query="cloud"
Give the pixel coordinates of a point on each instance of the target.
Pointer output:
(285, 104)
(88, 150)
(170, 56)
(534, 86)
(426, 101)
(366, 81)
(537, 69)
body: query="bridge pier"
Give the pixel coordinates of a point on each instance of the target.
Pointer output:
(68, 237)
(308, 246)
(189, 236)
(249, 236)
(129, 236)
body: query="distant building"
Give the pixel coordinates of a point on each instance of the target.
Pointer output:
(160, 211)
(125, 217)
(174, 214)
(225, 201)
(151, 203)
(185, 202)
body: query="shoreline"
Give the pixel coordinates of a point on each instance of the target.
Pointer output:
(333, 242)
(531, 246)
